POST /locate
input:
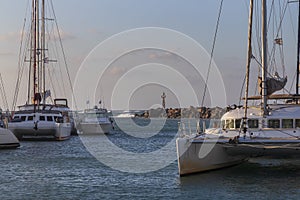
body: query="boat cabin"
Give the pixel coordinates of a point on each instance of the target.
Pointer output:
(41, 117)
(287, 117)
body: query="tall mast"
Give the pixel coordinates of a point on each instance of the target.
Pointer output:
(43, 52)
(31, 51)
(298, 52)
(38, 47)
(264, 58)
(35, 54)
(249, 55)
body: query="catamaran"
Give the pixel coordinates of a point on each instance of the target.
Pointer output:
(270, 129)
(38, 118)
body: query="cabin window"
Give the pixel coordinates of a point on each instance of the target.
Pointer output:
(226, 124)
(42, 118)
(101, 115)
(16, 117)
(30, 118)
(230, 123)
(287, 123)
(274, 123)
(59, 119)
(238, 123)
(23, 118)
(253, 123)
(297, 123)
(223, 124)
(49, 118)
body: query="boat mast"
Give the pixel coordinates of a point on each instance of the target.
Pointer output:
(29, 97)
(264, 58)
(43, 52)
(35, 53)
(249, 55)
(38, 48)
(298, 52)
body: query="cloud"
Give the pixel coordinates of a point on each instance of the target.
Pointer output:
(116, 71)
(13, 36)
(157, 55)
(10, 36)
(63, 35)
(95, 31)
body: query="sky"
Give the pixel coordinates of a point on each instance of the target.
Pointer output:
(100, 39)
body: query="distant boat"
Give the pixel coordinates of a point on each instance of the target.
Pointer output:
(94, 121)
(268, 129)
(126, 114)
(37, 118)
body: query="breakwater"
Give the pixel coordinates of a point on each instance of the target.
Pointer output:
(191, 112)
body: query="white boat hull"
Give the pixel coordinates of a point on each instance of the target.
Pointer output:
(57, 131)
(94, 128)
(266, 148)
(8, 139)
(190, 162)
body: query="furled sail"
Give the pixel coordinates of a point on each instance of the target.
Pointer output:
(274, 83)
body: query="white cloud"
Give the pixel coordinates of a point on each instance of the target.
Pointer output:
(11, 36)
(63, 35)
(117, 71)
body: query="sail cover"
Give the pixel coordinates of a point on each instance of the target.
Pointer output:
(274, 83)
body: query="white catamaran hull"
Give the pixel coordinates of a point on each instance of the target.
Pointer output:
(8, 139)
(58, 131)
(192, 156)
(94, 128)
(276, 148)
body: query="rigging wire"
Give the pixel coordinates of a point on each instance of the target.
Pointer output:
(295, 37)
(280, 32)
(55, 51)
(65, 60)
(50, 64)
(212, 52)
(3, 93)
(25, 48)
(268, 73)
(244, 81)
(276, 32)
(242, 90)
(20, 66)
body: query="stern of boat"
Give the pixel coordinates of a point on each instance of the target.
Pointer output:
(63, 131)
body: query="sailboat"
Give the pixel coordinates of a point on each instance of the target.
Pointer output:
(267, 129)
(38, 118)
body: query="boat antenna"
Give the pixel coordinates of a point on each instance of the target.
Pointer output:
(249, 56)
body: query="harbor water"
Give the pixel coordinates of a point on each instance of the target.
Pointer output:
(69, 170)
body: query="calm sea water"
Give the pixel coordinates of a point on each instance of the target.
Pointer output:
(67, 170)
